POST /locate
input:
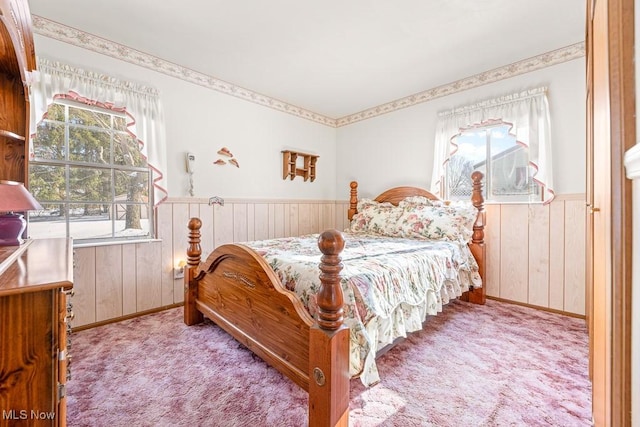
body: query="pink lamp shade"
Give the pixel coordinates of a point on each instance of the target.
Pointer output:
(14, 197)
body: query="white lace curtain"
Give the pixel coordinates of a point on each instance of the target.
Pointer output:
(141, 104)
(527, 112)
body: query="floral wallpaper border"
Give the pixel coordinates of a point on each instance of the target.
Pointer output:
(60, 32)
(548, 59)
(73, 36)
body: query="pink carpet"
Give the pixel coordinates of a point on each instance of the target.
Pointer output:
(493, 365)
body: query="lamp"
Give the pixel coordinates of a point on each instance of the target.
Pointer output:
(14, 197)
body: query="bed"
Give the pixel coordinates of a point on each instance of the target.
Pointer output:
(247, 289)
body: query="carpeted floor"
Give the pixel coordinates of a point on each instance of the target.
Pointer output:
(492, 365)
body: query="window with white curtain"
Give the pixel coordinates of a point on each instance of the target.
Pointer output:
(507, 138)
(492, 150)
(98, 156)
(89, 175)
(140, 103)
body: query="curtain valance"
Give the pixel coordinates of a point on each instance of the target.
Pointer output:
(141, 104)
(528, 114)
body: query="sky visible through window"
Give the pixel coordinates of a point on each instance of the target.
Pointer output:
(472, 144)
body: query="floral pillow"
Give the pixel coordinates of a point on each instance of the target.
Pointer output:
(416, 217)
(416, 201)
(453, 222)
(464, 214)
(375, 217)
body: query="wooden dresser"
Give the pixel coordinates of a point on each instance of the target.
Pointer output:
(35, 279)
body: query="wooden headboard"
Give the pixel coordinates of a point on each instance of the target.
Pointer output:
(393, 196)
(397, 194)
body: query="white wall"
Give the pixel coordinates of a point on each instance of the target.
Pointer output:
(397, 148)
(392, 149)
(202, 120)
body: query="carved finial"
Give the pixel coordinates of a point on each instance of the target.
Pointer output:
(194, 251)
(476, 197)
(330, 298)
(478, 201)
(353, 200)
(191, 313)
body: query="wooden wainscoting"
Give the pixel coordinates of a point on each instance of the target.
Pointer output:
(117, 281)
(535, 253)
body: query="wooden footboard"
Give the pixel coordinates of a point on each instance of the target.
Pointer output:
(237, 289)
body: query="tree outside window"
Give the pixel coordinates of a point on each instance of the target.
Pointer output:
(89, 176)
(495, 152)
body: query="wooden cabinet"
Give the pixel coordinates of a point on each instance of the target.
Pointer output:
(35, 279)
(17, 59)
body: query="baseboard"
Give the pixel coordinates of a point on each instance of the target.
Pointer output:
(537, 307)
(127, 317)
(180, 304)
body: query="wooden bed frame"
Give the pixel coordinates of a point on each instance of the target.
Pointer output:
(236, 289)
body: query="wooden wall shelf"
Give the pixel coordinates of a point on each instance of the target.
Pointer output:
(290, 162)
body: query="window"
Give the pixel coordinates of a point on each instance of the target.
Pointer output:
(508, 138)
(495, 152)
(89, 176)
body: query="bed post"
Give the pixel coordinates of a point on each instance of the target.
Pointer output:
(191, 313)
(329, 342)
(477, 247)
(353, 200)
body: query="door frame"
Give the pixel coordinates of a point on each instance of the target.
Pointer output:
(622, 127)
(623, 137)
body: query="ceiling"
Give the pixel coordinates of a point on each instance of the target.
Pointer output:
(331, 57)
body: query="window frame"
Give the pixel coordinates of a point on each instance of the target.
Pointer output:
(487, 189)
(110, 166)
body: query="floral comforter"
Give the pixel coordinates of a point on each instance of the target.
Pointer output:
(390, 285)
